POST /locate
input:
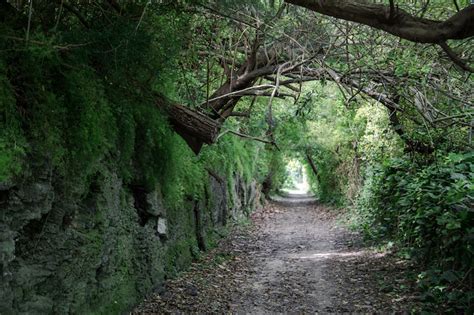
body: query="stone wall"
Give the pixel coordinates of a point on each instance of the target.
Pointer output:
(101, 253)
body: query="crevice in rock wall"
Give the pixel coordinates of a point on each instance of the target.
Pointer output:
(4, 194)
(68, 218)
(221, 207)
(267, 184)
(90, 199)
(30, 235)
(198, 217)
(80, 254)
(141, 204)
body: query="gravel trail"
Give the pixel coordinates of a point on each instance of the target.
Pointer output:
(295, 258)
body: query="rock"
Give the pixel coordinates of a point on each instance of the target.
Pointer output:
(154, 201)
(161, 227)
(254, 196)
(6, 185)
(7, 244)
(386, 289)
(191, 290)
(38, 305)
(35, 192)
(67, 253)
(218, 201)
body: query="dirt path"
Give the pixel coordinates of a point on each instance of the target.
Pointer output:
(296, 258)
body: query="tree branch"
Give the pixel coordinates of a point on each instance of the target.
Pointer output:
(238, 114)
(403, 24)
(247, 137)
(411, 144)
(78, 14)
(455, 58)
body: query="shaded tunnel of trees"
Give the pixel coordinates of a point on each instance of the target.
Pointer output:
(165, 120)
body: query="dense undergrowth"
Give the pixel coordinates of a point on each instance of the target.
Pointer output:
(77, 101)
(419, 204)
(426, 210)
(79, 106)
(79, 95)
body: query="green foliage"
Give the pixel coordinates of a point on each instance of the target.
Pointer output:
(79, 108)
(95, 104)
(89, 128)
(329, 187)
(12, 142)
(427, 209)
(232, 156)
(277, 169)
(188, 174)
(10, 160)
(341, 141)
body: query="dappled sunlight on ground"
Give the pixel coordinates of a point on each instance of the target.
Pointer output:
(295, 258)
(337, 255)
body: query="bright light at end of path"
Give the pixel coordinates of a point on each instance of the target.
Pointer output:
(297, 179)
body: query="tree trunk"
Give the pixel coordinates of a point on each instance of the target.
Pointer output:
(194, 127)
(198, 217)
(313, 166)
(267, 185)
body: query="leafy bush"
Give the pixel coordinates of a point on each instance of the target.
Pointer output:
(12, 142)
(92, 105)
(428, 211)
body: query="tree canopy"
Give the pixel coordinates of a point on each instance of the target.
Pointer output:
(375, 98)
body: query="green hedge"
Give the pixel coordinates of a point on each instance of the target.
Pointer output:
(428, 211)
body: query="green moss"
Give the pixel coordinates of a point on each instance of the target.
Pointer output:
(179, 255)
(124, 297)
(89, 115)
(78, 109)
(12, 142)
(11, 157)
(215, 234)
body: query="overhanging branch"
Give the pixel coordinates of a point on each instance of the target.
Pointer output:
(399, 23)
(247, 137)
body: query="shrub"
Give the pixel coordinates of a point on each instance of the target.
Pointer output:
(428, 211)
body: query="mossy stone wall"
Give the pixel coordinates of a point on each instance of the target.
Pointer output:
(98, 254)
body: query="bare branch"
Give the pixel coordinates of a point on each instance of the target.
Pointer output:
(391, 16)
(78, 14)
(455, 58)
(237, 114)
(236, 93)
(456, 5)
(247, 137)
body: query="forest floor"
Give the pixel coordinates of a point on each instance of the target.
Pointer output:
(294, 257)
